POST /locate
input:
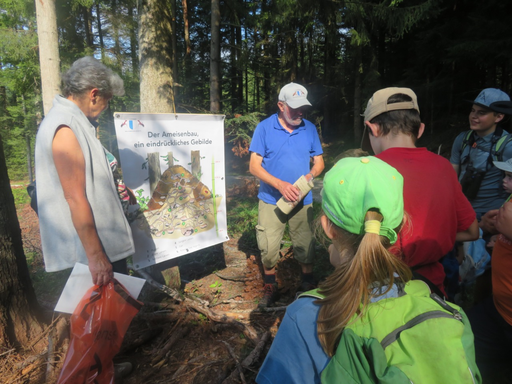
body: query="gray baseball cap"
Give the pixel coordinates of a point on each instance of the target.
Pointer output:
(294, 95)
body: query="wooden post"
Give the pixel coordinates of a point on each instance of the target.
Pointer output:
(154, 171)
(196, 164)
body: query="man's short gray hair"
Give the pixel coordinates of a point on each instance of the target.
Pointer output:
(88, 73)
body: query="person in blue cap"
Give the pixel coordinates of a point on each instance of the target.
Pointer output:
(474, 151)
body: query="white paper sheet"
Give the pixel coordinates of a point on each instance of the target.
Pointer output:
(80, 281)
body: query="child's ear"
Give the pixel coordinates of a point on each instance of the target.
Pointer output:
(498, 117)
(374, 128)
(421, 130)
(327, 226)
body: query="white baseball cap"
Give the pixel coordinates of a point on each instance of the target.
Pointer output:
(294, 95)
(504, 165)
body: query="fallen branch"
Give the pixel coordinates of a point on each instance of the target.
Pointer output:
(247, 330)
(176, 335)
(169, 291)
(7, 352)
(238, 366)
(250, 359)
(240, 278)
(141, 339)
(201, 307)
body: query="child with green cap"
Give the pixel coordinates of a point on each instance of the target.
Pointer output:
(363, 210)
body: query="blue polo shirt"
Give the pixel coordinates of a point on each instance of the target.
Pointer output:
(286, 155)
(491, 194)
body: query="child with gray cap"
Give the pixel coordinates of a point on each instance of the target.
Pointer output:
(338, 332)
(492, 319)
(473, 151)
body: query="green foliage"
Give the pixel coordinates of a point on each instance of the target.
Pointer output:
(242, 217)
(242, 126)
(21, 196)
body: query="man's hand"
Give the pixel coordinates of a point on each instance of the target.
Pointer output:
(488, 222)
(289, 192)
(101, 270)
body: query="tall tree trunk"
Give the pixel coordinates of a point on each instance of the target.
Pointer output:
(232, 70)
(174, 45)
(133, 43)
(49, 59)
(19, 322)
(156, 76)
(239, 73)
(357, 94)
(215, 80)
(100, 32)
(188, 48)
(27, 139)
(89, 37)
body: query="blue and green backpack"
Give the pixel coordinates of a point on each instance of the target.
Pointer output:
(414, 338)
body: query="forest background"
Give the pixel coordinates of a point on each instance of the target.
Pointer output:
(342, 51)
(232, 57)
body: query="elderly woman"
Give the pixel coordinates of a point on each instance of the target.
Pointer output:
(80, 212)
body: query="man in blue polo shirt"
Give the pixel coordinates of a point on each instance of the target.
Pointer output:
(281, 151)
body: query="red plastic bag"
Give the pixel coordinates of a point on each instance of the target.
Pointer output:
(98, 326)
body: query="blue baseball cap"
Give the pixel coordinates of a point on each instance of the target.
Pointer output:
(494, 99)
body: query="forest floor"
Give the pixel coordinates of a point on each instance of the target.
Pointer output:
(223, 339)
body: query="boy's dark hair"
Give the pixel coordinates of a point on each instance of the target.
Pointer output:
(405, 121)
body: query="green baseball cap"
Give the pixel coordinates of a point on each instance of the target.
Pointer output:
(356, 185)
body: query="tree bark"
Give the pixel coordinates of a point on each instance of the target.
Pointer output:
(215, 80)
(357, 128)
(133, 43)
(49, 59)
(155, 47)
(18, 305)
(100, 32)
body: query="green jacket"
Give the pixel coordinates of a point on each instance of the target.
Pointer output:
(415, 338)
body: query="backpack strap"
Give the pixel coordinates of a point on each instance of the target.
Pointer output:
(469, 139)
(496, 150)
(501, 144)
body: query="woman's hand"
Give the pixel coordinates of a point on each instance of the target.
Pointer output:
(101, 270)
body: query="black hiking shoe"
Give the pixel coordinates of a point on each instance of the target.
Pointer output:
(270, 296)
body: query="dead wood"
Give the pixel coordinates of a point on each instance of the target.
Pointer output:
(30, 360)
(240, 278)
(238, 365)
(141, 339)
(247, 330)
(58, 340)
(250, 359)
(200, 306)
(167, 290)
(176, 336)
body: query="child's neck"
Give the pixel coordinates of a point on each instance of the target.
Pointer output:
(397, 141)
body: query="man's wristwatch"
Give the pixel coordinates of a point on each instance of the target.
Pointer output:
(312, 177)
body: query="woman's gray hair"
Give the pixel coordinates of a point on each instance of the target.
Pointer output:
(88, 73)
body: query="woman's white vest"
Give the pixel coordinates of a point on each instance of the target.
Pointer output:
(62, 247)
